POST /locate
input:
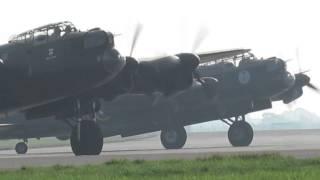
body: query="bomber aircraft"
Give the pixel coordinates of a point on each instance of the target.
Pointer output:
(58, 71)
(236, 83)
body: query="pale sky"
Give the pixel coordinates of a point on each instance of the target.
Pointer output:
(269, 28)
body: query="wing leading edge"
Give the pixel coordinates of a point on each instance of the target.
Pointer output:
(222, 54)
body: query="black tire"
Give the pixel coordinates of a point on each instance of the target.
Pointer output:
(240, 133)
(91, 139)
(21, 148)
(173, 138)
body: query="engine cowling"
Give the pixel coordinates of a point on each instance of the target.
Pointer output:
(167, 74)
(123, 83)
(295, 91)
(292, 94)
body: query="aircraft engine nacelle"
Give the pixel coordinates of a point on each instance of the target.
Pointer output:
(167, 74)
(295, 91)
(123, 83)
(292, 94)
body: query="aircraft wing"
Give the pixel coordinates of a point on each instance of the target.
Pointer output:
(222, 54)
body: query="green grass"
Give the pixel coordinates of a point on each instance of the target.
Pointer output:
(217, 167)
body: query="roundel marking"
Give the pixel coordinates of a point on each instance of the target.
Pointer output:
(244, 77)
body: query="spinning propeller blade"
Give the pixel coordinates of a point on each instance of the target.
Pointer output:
(136, 35)
(313, 87)
(298, 59)
(200, 37)
(308, 84)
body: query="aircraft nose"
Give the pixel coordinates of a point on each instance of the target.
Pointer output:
(112, 61)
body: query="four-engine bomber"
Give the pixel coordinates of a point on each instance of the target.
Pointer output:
(59, 71)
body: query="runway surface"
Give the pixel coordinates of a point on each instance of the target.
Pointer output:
(297, 143)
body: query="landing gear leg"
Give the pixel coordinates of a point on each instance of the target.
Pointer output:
(21, 147)
(240, 132)
(86, 137)
(173, 138)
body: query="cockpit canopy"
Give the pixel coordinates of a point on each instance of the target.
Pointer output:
(54, 30)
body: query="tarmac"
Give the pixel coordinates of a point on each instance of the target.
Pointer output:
(296, 143)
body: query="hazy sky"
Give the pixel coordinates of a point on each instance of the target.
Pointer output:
(269, 28)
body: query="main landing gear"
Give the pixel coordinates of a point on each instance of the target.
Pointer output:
(173, 137)
(86, 136)
(21, 147)
(240, 132)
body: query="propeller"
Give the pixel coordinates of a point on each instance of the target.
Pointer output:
(298, 59)
(201, 35)
(301, 80)
(304, 80)
(296, 91)
(313, 87)
(302, 77)
(125, 81)
(136, 36)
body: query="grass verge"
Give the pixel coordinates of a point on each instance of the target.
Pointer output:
(216, 167)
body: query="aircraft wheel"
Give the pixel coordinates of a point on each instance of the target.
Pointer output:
(91, 139)
(240, 133)
(173, 138)
(21, 148)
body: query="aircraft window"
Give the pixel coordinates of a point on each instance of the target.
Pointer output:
(40, 37)
(50, 32)
(68, 29)
(44, 33)
(56, 32)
